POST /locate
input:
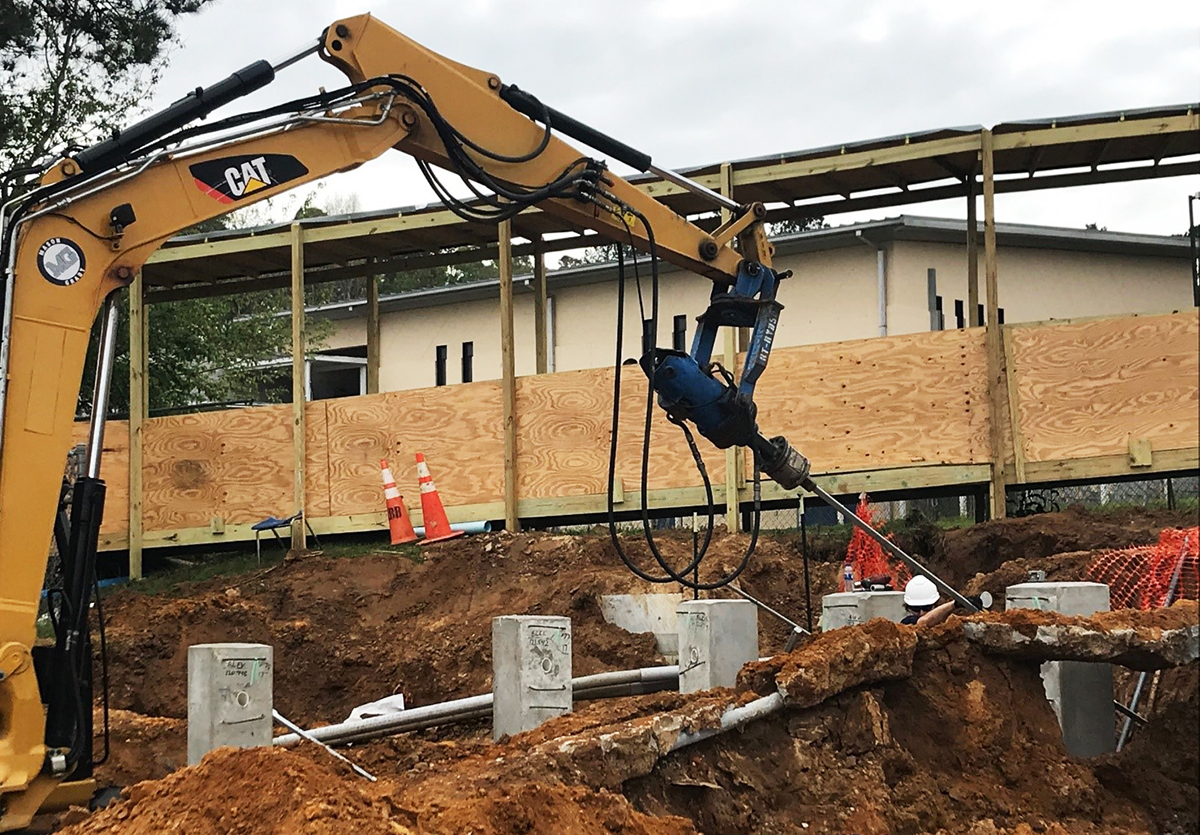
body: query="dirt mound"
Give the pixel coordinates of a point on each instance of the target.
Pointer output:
(352, 630)
(289, 794)
(982, 549)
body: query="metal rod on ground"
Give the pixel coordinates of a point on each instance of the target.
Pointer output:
(1130, 713)
(795, 626)
(296, 729)
(890, 546)
(804, 552)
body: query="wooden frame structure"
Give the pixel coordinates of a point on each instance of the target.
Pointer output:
(894, 171)
(896, 413)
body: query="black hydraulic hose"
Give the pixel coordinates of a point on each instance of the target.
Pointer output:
(699, 554)
(103, 668)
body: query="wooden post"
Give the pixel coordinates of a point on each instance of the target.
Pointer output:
(1014, 405)
(539, 306)
(508, 374)
(138, 390)
(373, 334)
(995, 349)
(972, 255)
(299, 393)
(733, 455)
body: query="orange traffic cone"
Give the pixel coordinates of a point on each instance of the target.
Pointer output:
(437, 526)
(398, 521)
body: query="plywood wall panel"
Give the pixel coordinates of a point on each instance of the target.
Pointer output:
(235, 465)
(458, 428)
(564, 437)
(1086, 388)
(181, 473)
(874, 403)
(255, 463)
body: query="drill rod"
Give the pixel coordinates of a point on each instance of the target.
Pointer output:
(889, 545)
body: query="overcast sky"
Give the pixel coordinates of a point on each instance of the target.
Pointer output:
(700, 81)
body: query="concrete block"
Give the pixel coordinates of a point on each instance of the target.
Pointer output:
(716, 638)
(531, 671)
(646, 613)
(230, 697)
(1080, 693)
(848, 608)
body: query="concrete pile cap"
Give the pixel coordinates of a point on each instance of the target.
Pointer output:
(1149, 640)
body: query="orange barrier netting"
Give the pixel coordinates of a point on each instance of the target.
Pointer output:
(867, 555)
(1141, 577)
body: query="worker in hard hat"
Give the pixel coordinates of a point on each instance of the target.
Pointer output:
(921, 603)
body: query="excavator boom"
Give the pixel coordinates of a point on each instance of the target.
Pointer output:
(97, 216)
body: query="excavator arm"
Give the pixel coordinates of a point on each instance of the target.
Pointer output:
(99, 214)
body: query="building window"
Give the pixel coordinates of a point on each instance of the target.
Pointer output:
(679, 334)
(959, 314)
(648, 337)
(939, 316)
(999, 315)
(439, 366)
(468, 362)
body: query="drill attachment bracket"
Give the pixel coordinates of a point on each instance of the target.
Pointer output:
(722, 412)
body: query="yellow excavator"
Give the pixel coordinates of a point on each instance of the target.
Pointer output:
(69, 245)
(98, 214)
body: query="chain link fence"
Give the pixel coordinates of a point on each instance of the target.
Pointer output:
(1177, 492)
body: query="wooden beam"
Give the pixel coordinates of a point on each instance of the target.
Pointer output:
(1014, 410)
(278, 281)
(875, 481)
(733, 457)
(1111, 466)
(1036, 137)
(138, 391)
(508, 371)
(859, 159)
(373, 334)
(995, 348)
(540, 300)
(972, 253)
(299, 389)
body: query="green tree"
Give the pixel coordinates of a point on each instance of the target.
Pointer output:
(71, 70)
(205, 351)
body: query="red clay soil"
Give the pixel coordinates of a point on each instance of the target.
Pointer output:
(967, 743)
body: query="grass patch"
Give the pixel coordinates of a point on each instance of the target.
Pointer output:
(175, 577)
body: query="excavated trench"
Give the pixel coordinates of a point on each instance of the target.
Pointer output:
(881, 729)
(880, 732)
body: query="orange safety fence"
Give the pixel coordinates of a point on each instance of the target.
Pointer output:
(867, 556)
(1151, 576)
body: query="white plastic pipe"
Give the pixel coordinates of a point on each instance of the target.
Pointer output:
(735, 717)
(465, 527)
(600, 685)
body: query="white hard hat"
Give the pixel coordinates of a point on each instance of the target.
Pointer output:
(920, 591)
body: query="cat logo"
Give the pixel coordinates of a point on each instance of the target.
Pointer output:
(61, 261)
(230, 179)
(250, 176)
